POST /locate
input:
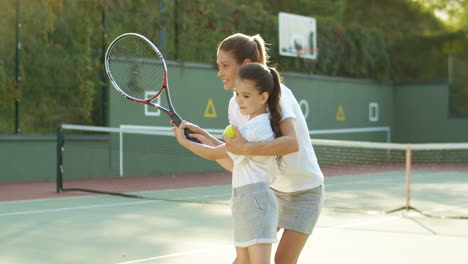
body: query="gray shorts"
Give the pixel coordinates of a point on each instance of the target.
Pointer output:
(299, 211)
(254, 215)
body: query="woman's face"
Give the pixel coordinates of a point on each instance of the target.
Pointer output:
(228, 68)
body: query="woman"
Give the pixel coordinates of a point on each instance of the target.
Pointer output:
(299, 185)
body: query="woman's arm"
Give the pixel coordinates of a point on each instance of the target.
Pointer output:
(283, 145)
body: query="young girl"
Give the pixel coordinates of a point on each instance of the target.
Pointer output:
(254, 205)
(299, 186)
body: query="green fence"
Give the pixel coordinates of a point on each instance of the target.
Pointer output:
(336, 108)
(347, 108)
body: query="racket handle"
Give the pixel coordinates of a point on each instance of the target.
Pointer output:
(187, 133)
(177, 120)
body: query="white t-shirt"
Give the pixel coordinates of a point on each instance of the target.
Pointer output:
(253, 169)
(300, 170)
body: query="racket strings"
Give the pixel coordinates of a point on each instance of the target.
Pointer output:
(136, 68)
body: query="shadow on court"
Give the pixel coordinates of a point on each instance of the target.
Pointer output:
(109, 229)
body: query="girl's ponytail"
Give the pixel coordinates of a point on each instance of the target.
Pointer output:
(275, 108)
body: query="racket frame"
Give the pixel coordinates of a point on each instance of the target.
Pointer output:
(165, 85)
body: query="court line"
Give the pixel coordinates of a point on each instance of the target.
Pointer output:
(363, 223)
(182, 199)
(205, 250)
(94, 195)
(49, 199)
(154, 201)
(183, 253)
(447, 208)
(318, 230)
(74, 208)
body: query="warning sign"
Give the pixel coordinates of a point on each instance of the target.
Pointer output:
(210, 110)
(340, 114)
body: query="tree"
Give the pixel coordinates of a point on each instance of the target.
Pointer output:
(454, 13)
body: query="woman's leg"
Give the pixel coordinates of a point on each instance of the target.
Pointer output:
(290, 247)
(242, 256)
(298, 215)
(260, 253)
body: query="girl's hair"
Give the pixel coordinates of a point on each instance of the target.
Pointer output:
(244, 47)
(267, 80)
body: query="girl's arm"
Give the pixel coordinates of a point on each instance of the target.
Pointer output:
(227, 164)
(283, 145)
(207, 151)
(197, 130)
(208, 140)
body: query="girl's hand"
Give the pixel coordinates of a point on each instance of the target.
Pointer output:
(202, 139)
(192, 127)
(179, 134)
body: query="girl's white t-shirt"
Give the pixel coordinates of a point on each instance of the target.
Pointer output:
(300, 170)
(253, 169)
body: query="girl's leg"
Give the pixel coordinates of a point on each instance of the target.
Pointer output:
(260, 253)
(290, 247)
(242, 256)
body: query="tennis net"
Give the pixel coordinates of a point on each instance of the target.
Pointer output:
(359, 176)
(431, 179)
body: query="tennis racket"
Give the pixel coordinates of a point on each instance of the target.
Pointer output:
(138, 71)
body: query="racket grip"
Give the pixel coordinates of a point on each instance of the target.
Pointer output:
(187, 133)
(177, 120)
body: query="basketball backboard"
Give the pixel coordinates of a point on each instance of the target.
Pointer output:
(297, 36)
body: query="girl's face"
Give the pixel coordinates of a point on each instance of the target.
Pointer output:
(250, 101)
(228, 68)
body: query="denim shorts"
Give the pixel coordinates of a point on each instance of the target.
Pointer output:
(254, 215)
(299, 211)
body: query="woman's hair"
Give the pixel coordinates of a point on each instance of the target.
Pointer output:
(244, 47)
(267, 80)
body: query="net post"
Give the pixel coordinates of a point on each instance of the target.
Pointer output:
(121, 153)
(408, 158)
(60, 148)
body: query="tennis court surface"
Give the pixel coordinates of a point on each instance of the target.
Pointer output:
(188, 221)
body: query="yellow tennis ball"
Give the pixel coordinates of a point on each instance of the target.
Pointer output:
(229, 132)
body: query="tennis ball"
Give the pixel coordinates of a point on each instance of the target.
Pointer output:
(229, 132)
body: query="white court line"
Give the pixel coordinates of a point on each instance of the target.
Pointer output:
(182, 199)
(447, 208)
(381, 182)
(210, 249)
(204, 250)
(318, 230)
(363, 223)
(74, 208)
(183, 253)
(93, 195)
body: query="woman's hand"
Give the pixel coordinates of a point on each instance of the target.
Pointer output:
(238, 144)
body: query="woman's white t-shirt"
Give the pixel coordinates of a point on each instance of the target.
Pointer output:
(300, 170)
(253, 169)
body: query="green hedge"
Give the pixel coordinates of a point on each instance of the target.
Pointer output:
(63, 43)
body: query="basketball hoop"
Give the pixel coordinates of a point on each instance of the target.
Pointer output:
(298, 53)
(297, 36)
